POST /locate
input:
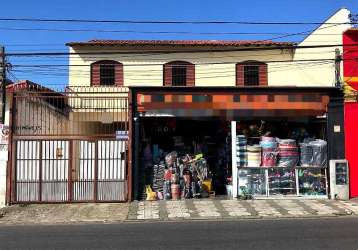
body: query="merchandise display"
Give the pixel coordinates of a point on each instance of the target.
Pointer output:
(241, 145)
(181, 177)
(312, 181)
(269, 151)
(251, 182)
(281, 181)
(277, 166)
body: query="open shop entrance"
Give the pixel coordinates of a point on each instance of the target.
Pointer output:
(185, 158)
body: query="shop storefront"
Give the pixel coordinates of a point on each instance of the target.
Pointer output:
(234, 142)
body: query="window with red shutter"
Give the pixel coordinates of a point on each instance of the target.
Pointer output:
(179, 73)
(251, 73)
(106, 73)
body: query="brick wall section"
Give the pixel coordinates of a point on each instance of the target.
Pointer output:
(95, 73)
(190, 73)
(263, 79)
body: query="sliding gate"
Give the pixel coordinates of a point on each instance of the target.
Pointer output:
(70, 171)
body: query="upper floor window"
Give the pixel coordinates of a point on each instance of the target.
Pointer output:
(107, 73)
(251, 73)
(179, 73)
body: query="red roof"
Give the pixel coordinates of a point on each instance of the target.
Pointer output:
(235, 43)
(27, 85)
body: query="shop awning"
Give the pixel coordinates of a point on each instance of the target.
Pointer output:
(232, 102)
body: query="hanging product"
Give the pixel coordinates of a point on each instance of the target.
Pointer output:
(167, 190)
(254, 156)
(241, 151)
(319, 153)
(269, 151)
(288, 153)
(171, 158)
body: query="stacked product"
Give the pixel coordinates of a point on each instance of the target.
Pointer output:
(241, 151)
(288, 153)
(306, 154)
(319, 153)
(269, 151)
(254, 156)
(313, 153)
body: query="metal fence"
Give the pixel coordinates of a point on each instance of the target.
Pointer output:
(49, 171)
(64, 147)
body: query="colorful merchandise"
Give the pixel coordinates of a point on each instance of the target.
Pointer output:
(269, 151)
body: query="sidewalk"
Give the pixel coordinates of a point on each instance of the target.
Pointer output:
(193, 209)
(64, 213)
(239, 209)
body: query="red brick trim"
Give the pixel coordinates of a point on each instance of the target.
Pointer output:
(190, 72)
(263, 78)
(95, 72)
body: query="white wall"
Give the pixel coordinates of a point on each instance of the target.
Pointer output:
(211, 68)
(3, 164)
(316, 73)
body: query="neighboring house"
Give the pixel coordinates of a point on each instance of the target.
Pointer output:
(51, 116)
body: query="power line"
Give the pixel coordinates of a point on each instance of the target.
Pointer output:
(22, 19)
(158, 32)
(271, 47)
(152, 64)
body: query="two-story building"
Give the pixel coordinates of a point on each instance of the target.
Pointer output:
(212, 102)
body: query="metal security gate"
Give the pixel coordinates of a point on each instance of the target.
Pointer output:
(70, 171)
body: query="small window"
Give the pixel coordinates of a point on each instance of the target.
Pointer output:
(251, 75)
(107, 74)
(178, 75)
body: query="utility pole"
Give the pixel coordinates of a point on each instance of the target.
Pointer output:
(338, 60)
(3, 82)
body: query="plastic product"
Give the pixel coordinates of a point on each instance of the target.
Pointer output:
(319, 153)
(269, 151)
(288, 153)
(254, 156)
(241, 150)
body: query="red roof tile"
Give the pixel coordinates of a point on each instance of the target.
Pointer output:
(235, 43)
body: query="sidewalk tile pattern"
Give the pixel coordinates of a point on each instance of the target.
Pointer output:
(206, 208)
(177, 209)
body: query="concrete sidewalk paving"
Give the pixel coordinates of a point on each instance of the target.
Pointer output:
(64, 213)
(239, 209)
(193, 209)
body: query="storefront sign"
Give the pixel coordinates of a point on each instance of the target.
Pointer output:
(122, 135)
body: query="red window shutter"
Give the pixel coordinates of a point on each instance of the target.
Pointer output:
(239, 74)
(190, 75)
(263, 74)
(95, 81)
(167, 77)
(118, 75)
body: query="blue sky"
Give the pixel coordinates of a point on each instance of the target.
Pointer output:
(177, 10)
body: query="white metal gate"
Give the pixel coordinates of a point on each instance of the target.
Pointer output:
(70, 170)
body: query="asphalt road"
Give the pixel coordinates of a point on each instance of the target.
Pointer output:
(341, 233)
